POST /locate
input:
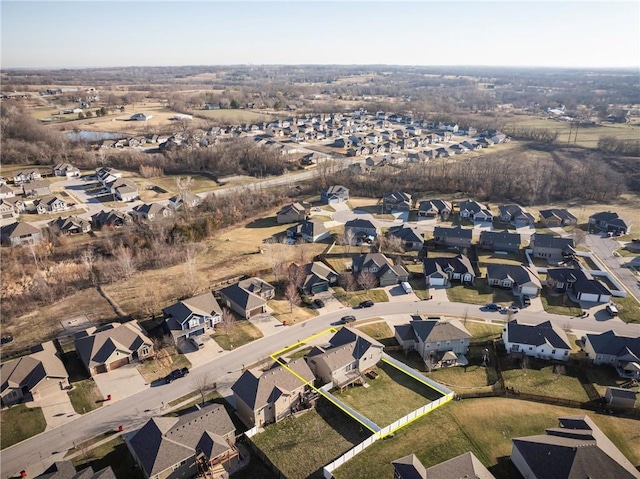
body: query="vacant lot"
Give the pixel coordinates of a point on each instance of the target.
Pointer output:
(284, 311)
(483, 426)
(478, 293)
(241, 333)
(19, 423)
(354, 298)
(483, 332)
(230, 117)
(301, 446)
(373, 402)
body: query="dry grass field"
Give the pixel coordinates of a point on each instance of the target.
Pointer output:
(233, 116)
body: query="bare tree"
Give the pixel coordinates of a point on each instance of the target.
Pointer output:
(367, 280)
(276, 254)
(292, 295)
(348, 281)
(227, 320)
(125, 262)
(390, 244)
(191, 270)
(203, 384)
(579, 236)
(88, 259)
(347, 240)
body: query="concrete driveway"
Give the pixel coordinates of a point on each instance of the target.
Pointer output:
(331, 304)
(397, 295)
(200, 356)
(56, 407)
(121, 383)
(439, 293)
(266, 323)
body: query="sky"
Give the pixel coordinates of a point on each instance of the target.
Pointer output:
(90, 33)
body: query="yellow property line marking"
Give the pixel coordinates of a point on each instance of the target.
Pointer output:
(275, 357)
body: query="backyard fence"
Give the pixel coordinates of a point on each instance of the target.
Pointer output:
(258, 452)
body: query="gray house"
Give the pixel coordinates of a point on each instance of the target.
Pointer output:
(500, 241)
(609, 221)
(66, 470)
(311, 231)
(334, 194)
(579, 283)
(523, 280)
(441, 271)
(396, 201)
(412, 238)
(72, 225)
(621, 352)
(557, 217)
(293, 213)
(466, 465)
(193, 316)
(474, 211)
(359, 230)
(247, 297)
(20, 233)
(378, 264)
(433, 338)
(516, 215)
(435, 209)
(552, 248)
(453, 237)
(36, 188)
(181, 447)
(315, 277)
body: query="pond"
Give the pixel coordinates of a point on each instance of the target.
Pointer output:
(84, 135)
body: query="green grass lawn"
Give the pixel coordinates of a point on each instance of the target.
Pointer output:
(483, 332)
(469, 378)
(543, 378)
(603, 376)
(19, 423)
(85, 396)
(478, 293)
(113, 453)
(354, 298)
(373, 402)
(380, 331)
(301, 446)
(241, 333)
(629, 309)
(560, 304)
(165, 362)
(483, 426)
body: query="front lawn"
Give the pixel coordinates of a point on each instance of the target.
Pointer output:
(19, 423)
(484, 427)
(381, 332)
(301, 446)
(85, 396)
(113, 453)
(166, 360)
(483, 332)
(354, 298)
(283, 311)
(559, 304)
(628, 308)
(373, 402)
(478, 293)
(241, 333)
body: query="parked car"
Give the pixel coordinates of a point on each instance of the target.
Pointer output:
(318, 303)
(366, 304)
(197, 342)
(510, 309)
(526, 300)
(612, 310)
(176, 374)
(6, 339)
(348, 319)
(492, 306)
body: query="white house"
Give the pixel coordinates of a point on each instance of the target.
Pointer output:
(544, 340)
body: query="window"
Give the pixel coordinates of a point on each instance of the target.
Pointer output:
(530, 348)
(144, 351)
(553, 351)
(566, 353)
(12, 394)
(194, 322)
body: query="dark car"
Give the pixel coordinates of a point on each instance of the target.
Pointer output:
(366, 304)
(176, 374)
(492, 306)
(348, 319)
(6, 339)
(318, 303)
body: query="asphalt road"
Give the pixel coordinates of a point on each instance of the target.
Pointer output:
(37, 453)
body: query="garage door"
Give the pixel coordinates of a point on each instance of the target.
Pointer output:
(197, 332)
(530, 291)
(589, 297)
(118, 364)
(436, 281)
(319, 288)
(256, 311)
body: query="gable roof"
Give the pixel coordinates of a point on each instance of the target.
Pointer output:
(500, 237)
(537, 335)
(541, 240)
(430, 330)
(313, 227)
(65, 224)
(611, 344)
(557, 212)
(28, 371)
(18, 229)
(409, 467)
(457, 232)
(66, 470)
(258, 391)
(519, 274)
(574, 450)
(165, 441)
(406, 233)
(346, 346)
(336, 190)
(360, 224)
(459, 264)
(440, 205)
(472, 206)
(582, 281)
(397, 197)
(465, 465)
(246, 293)
(203, 305)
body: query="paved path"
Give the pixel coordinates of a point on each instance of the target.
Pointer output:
(134, 410)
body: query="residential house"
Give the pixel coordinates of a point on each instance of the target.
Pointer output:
(556, 217)
(293, 213)
(310, 231)
(385, 272)
(111, 219)
(609, 221)
(73, 225)
(516, 215)
(6, 192)
(412, 239)
(267, 397)
(442, 342)
(474, 211)
(112, 346)
(66, 470)
(23, 176)
(65, 169)
(500, 241)
(396, 201)
(343, 143)
(315, 277)
(185, 199)
(453, 237)
(247, 297)
(7, 209)
(106, 174)
(334, 194)
(181, 447)
(577, 448)
(435, 209)
(544, 340)
(466, 465)
(621, 352)
(192, 317)
(523, 280)
(151, 211)
(38, 374)
(36, 188)
(360, 230)
(349, 355)
(620, 397)
(54, 204)
(579, 283)
(20, 233)
(123, 189)
(552, 248)
(441, 271)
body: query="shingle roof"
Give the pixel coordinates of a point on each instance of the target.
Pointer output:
(457, 232)
(536, 335)
(459, 264)
(472, 206)
(243, 298)
(559, 212)
(622, 393)
(466, 465)
(582, 282)
(440, 205)
(430, 330)
(19, 228)
(360, 223)
(397, 197)
(610, 343)
(204, 304)
(519, 274)
(66, 470)
(500, 237)
(540, 240)
(347, 345)
(406, 233)
(409, 467)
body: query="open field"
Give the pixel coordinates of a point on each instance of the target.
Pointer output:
(373, 402)
(241, 333)
(19, 423)
(489, 426)
(301, 446)
(199, 182)
(231, 117)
